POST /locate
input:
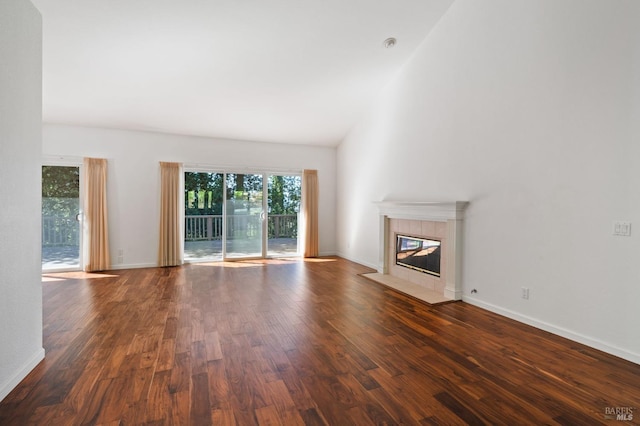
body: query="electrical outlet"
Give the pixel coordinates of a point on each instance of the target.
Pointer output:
(622, 229)
(525, 293)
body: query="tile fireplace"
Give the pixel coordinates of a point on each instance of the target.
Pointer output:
(430, 221)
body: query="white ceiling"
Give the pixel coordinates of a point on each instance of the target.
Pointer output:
(291, 71)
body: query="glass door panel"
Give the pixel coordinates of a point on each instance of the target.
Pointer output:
(284, 194)
(245, 216)
(203, 202)
(61, 233)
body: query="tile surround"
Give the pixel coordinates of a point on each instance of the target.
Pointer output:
(417, 228)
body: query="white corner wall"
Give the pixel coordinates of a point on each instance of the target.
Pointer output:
(133, 177)
(530, 111)
(20, 147)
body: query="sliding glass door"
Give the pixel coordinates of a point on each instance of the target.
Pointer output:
(61, 226)
(203, 230)
(245, 215)
(240, 215)
(284, 195)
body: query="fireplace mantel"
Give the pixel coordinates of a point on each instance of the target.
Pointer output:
(451, 212)
(423, 210)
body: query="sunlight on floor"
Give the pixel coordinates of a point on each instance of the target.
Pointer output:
(76, 275)
(319, 259)
(249, 263)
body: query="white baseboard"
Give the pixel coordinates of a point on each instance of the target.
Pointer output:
(563, 332)
(361, 262)
(8, 386)
(134, 266)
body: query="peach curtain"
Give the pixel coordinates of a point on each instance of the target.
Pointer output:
(96, 236)
(310, 212)
(170, 249)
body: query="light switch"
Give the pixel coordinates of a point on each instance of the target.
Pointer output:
(622, 229)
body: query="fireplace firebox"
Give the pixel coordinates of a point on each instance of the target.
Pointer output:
(419, 254)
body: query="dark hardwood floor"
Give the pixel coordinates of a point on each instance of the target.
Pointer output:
(299, 342)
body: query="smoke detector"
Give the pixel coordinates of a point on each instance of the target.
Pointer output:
(389, 43)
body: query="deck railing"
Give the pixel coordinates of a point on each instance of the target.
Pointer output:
(60, 231)
(203, 227)
(282, 226)
(209, 227)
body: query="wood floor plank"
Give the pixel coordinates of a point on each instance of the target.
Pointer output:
(297, 342)
(199, 395)
(223, 417)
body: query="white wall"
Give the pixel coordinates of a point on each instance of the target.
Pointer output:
(530, 111)
(133, 177)
(20, 139)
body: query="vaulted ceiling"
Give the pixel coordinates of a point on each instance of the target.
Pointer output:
(290, 71)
